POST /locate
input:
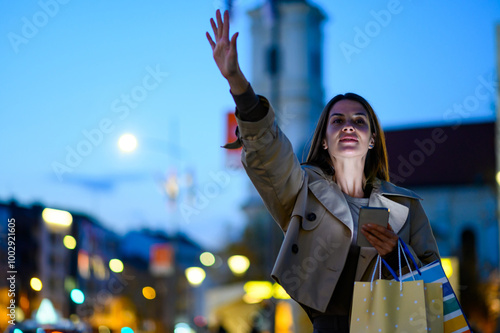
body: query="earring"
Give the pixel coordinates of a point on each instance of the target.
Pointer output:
(370, 146)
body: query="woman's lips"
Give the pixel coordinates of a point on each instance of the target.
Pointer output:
(349, 139)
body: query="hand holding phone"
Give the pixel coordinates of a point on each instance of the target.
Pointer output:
(371, 215)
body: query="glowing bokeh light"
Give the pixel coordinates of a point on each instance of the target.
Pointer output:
(195, 275)
(77, 296)
(69, 242)
(207, 259)
(36, 284)
(127, 143)
(116, 265)
(149, 292)
(238, 264)
(57, 217)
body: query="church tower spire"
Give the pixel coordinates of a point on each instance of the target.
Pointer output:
(287, 64)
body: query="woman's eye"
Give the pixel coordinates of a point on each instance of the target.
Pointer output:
(337, 121)
(360, 121)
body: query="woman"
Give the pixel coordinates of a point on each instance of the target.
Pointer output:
(317, 204)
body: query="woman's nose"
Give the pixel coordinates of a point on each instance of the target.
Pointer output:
(348, 128)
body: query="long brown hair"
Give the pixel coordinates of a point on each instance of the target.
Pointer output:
(376, 164)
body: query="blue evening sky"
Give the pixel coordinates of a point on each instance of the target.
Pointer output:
(69, 69)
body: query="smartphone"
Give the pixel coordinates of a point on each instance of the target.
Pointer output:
(372, 215)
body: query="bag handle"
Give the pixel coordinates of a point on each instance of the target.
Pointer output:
(407, 250)
(402, 248)
(378, 264)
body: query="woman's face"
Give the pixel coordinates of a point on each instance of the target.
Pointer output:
(348, 132)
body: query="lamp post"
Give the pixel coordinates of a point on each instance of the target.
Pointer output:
(172, 186)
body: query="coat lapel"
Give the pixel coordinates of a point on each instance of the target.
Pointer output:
(337, 205)
(335, 202)
(397, 212)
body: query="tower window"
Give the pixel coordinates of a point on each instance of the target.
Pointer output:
(272, 60)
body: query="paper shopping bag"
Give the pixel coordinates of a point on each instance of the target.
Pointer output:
(389, 306)
(454, 319)
(433, 292)
(434, 306)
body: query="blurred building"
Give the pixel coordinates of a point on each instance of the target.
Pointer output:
(453, 168)
(164, 259)
(27, 249)
(287, 67)
(94, 276)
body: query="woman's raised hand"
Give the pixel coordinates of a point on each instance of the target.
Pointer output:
(225, 53)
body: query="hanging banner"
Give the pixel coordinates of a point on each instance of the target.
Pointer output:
(161, 260)
(233, 156)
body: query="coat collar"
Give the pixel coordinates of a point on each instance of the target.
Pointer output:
(380, 186)
(336, 204)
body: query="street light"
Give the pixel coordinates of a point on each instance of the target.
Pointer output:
(259, 289)
(127, 143)
(69, 242)
(116, 265)
(171, 185)
(149, 292)
(77, 296)
(36, 284)
(57, 218)
(195, 275)
(207, 259)
(238, 264)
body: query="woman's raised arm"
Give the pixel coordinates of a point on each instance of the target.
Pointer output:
(226, 55)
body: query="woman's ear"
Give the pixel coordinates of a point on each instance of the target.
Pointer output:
(323, 143)
(372, 141)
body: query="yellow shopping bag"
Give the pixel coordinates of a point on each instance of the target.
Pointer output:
(434, 306)
(453, 316)
(382, 306)
(391, 306)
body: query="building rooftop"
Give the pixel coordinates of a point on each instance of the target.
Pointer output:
(442, 155)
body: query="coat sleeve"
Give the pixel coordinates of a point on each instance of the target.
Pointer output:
(271, 165)
(422, 243)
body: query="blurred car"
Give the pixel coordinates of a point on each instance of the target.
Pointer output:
(30, 326)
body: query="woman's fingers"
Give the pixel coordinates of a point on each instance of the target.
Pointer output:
(221, 28)
(225, 26)
(214, 28)
(383, 239)
(220, 25)
(212, 44)
(224, 49)
(381, 247)
(379, 231)
(233, 41)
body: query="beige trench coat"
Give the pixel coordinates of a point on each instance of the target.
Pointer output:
(315, 217)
